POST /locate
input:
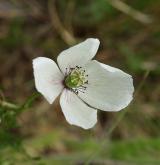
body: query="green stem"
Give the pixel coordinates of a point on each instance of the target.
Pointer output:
(27, 104)
(9, 105)
(20, 108)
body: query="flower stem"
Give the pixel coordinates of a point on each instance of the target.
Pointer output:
(20, 108)
(9, 105)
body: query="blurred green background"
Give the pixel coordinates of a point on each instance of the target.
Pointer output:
(32, 132)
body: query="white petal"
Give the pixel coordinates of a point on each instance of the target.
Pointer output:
(76, 111)
(78, 55)
(108, 89)
(48, 78)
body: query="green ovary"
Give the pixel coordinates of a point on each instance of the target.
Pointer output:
(75, 79)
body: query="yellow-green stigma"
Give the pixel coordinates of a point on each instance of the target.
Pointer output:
(76, 78)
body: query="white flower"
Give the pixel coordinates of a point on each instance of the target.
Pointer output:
(85, 84)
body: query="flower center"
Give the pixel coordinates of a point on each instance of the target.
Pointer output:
(75, 79)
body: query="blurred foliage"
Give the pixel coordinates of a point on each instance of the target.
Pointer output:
(134, 61)
(37, 133)
(143, 151)
(15, 36)
(94, 14)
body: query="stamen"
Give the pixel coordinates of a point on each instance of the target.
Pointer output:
(82, 87)
(66, 72)
(86, 82)
(75, 78)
